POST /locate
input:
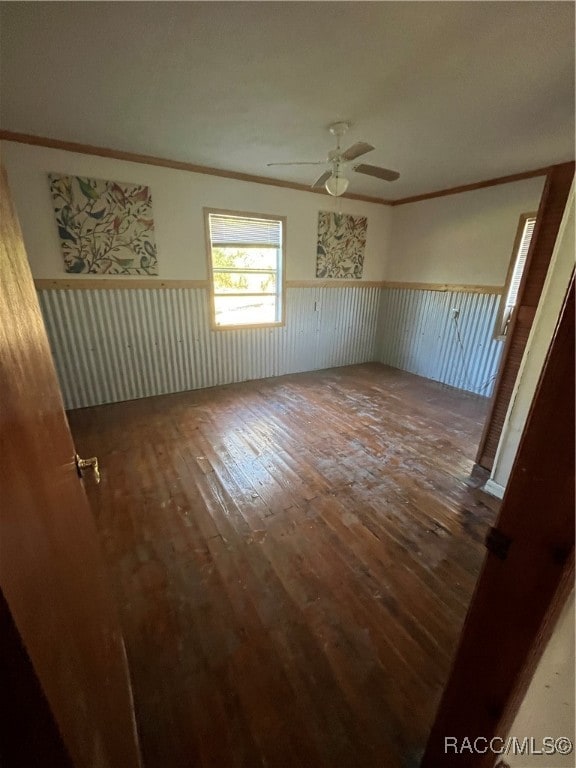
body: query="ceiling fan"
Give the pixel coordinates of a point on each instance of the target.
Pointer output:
(334, 181)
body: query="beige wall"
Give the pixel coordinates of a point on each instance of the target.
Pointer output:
(458, 239)
(178, 198)
(463, 239)
(553, 293)
(548, 707)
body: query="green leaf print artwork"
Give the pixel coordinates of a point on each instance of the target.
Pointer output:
(105, 227)
(340, 246)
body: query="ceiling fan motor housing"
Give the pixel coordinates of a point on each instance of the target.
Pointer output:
(334, 181)
(339, 129)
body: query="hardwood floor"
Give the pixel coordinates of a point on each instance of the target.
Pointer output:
(293, 560)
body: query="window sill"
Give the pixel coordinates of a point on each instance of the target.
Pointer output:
(250, 326)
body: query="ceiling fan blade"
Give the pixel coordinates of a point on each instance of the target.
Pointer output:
(313, 162)
(361, 148)
(377, 172)
(322, 180)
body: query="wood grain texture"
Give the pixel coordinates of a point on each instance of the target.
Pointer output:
(509, 179)
(52, 573)
(548, 222)
(90, 149)
(178, 165)
(29, 737)
(518, 599)
(335, 283)
(113, 284)
(90, 284)
(280, 296)
(444, 287)
(511, 269)
(293, 558)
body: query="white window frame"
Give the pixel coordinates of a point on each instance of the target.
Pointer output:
(516, 269)
(280, 270)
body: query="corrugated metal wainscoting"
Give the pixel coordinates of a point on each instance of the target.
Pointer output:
(418, 333)
(120, 344)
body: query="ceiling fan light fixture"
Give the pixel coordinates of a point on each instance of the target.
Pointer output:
(332, 180)
(336, 185)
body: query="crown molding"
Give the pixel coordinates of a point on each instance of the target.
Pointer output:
(132, 157)
(178, 165)
(476, 185)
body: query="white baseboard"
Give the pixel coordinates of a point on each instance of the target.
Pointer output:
(494, 488)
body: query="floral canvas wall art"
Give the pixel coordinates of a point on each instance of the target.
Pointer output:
(105, 227)
(341, 244)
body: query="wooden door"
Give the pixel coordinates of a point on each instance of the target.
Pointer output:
(51, 571)
(527, 574)
(550, 212)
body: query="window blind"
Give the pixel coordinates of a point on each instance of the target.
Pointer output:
(244, 232)
(514, 286)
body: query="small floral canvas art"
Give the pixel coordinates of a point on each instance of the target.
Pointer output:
(105, 227)
(341, 243)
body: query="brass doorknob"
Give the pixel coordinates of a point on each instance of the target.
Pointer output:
(91, 463)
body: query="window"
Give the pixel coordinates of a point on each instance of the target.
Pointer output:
(515, 272)
(246, 255)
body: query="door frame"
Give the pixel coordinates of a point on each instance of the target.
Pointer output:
(550, 211)
(510, 619)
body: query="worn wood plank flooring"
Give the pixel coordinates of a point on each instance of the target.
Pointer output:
(293, 560)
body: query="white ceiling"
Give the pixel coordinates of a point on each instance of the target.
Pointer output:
(449, 93)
